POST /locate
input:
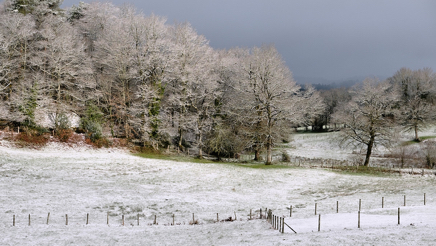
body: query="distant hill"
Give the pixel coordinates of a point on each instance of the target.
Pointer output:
(325, 84)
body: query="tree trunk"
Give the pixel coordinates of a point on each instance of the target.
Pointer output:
(180, 139)
(416, 134)
(369, 150)
(256, 154)
(269, 152)
(200, 145)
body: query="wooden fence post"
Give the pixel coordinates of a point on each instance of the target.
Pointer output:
(273, 222)
(107, 218)
(290, 211)
(398, 215)
(316, 205)
(260, 213)
(277, 222)
(137, 219)
(360, 204)
(319, 223)
(218, 219)
(283, 225)
(404, 200)
(250, 214)
(13, 220)
(87, 218)
(122, 219)
(337, 206)
(358, 219)
(48, 218)
(424, 199)
(383, 202)
(66, 219)
(29, 219)
(155, 220)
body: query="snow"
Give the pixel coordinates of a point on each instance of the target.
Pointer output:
(63, 180)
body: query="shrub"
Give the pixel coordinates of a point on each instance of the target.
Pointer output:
(185, 144)
(91, 123)
(99, 143)
(223, 142)
(286, 157)
(93, 131)
(64, 134)
(429, 150)
(31, 136)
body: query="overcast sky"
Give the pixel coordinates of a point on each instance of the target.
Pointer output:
(329, 39)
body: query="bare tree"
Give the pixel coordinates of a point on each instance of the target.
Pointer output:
(16, 44)
(272, 99)
(368, 116)
(415, 90)
(154, 61)
(191, 77)
(332, 98)
(114, 52)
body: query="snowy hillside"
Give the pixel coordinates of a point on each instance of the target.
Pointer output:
(63, 181)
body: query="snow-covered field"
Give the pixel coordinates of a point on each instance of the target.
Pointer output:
(60, 180)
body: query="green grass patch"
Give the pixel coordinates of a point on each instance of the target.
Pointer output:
(362, 170)
(263, 166)
(177, 158)
(182, 158)
(407, 143)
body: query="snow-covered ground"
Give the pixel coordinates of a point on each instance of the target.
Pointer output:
(327, 146)
(61, 180)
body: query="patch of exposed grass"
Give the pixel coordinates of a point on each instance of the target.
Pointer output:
(182, 158)
(407, 143)
(169, 157)
(263, 166)
(362, 170)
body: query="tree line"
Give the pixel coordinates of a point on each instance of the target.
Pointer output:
(127, 75)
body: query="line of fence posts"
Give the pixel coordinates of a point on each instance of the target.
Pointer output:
(358, 213)
(275, 221)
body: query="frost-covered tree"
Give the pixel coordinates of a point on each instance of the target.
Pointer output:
(185, 93)
(34, 6)
(333, 98)
(226, 135)
(114, 61)
(368, 116)
(62, 60)
(17, 34)
(154, 61)
(416, 90)
(271, 98)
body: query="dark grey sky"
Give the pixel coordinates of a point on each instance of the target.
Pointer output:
(330, 39)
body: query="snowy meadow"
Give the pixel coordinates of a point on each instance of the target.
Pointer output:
(109, 184)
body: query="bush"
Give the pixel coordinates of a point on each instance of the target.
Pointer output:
(99, 143)
(32, 136)
(93, 131)
(91, 123)
(223, 142)
(60, 121)
(286, 157)
(429, 150)
(185, 144)
(64, 134)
